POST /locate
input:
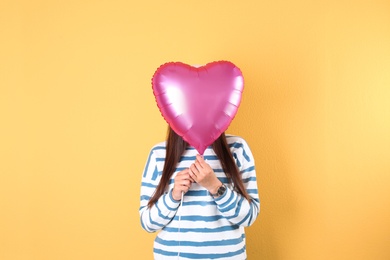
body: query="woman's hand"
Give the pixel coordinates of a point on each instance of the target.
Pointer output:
(201, 172)
(182, 183)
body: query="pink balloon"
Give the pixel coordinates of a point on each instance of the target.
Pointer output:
(198, 103)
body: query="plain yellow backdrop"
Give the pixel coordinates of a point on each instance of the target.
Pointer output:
(78, 118)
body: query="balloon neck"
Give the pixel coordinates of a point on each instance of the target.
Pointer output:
(201, 151)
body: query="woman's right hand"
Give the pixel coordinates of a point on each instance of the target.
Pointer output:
(182, 183)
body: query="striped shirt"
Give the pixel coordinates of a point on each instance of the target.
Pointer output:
(202, 227)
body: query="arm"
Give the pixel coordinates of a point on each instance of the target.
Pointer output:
(231, 204)
(161, 213)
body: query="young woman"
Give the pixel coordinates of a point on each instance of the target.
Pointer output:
(220, 198)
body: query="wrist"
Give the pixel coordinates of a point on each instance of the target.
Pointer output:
(175, 195)
(215, 187)
(220, 192)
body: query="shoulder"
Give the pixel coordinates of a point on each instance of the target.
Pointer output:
(159, 149)
(235, 141)
(239, 148)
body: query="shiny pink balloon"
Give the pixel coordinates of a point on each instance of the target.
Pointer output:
(198, 103)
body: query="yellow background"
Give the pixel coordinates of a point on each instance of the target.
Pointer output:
(78, 118)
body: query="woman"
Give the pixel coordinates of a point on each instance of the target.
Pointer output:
(220, 198)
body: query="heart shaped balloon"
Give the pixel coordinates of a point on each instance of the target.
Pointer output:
(198, 103)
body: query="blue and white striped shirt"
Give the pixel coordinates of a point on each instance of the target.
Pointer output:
(208, 228)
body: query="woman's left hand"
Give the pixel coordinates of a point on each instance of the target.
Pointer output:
(203, 174)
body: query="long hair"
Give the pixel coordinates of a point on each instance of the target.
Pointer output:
(175, 147)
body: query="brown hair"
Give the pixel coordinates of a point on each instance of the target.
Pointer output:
(175, 147)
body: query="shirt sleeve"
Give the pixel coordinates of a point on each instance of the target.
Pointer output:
(232, 205)
(162, 212)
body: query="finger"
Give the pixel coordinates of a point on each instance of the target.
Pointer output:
(183, 180)
(183, 172)
(184, 184)
(198, 165)
(194, 169)
(190, 178)
(183, 189)
(200, 160)
(193, 177)
(192, 174)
